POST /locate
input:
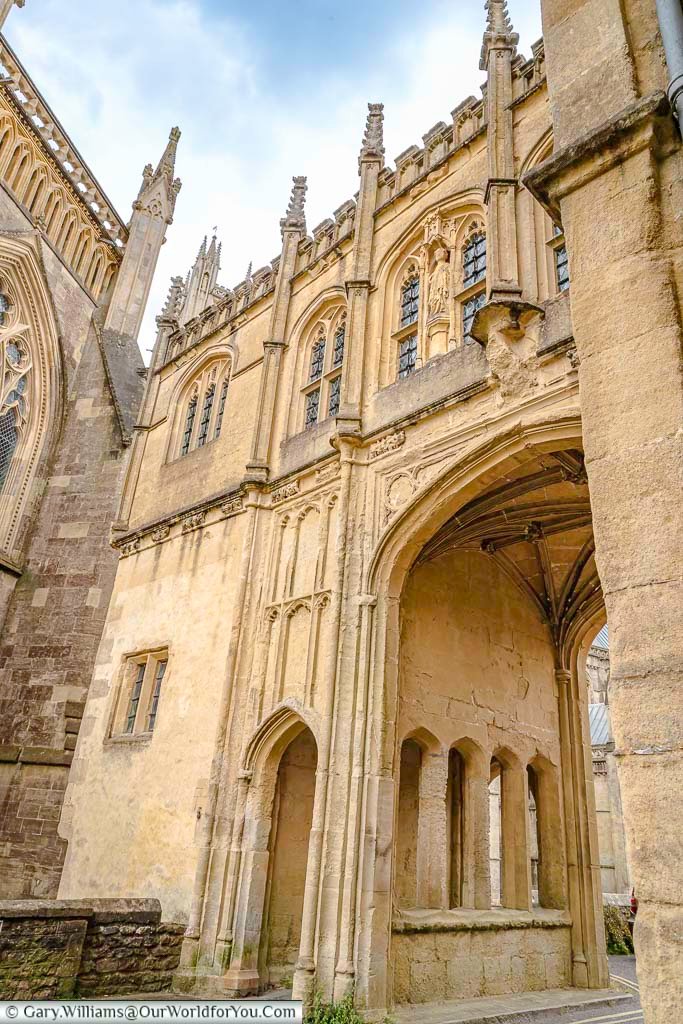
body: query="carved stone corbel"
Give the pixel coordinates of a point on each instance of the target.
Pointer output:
(501, 327)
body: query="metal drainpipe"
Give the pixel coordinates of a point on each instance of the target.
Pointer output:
(670, 17)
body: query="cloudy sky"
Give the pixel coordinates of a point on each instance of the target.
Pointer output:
(261, 89)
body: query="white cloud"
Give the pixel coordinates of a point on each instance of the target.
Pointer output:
(119, 78)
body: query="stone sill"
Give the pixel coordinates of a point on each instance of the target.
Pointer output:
(102, 911)
(416, 921)
(134, 739)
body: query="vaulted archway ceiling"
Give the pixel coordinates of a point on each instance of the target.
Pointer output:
(536, 524)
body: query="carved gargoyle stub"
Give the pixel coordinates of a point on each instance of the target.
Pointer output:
(502, 328)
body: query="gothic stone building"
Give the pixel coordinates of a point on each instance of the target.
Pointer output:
(73, 285)
(380, 498)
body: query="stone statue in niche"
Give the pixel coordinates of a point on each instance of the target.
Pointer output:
(438, 284)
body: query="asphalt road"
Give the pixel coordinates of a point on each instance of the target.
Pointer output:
(623, 969)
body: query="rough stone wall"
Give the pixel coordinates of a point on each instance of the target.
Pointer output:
(58, 950)
(120, 958)
(52, 629)
(468, 963)
(39, 958)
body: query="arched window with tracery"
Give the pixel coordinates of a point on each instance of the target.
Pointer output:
(14, 398)
(473, 286)
(410, 300)
(406, 335)
(322, 384)
(203, 410)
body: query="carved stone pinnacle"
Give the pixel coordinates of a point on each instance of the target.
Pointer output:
(373, 140)
(295, 217)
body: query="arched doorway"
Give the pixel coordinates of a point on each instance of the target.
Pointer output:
(288, 848)
(272, 864)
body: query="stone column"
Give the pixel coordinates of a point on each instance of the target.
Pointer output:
(370, 163)
(498, 51)
(432, 832)
(516, 885)
(614, 181)
(476, 892)
(589, 963)
(293, 227)
(167, 322)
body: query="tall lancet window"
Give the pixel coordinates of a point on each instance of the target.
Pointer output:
(221, 409)
(473, 287)
(410, 301)
(474, 259)
(207, 403)
(323, 369)
(206, 415)
(189, 424)
(14, 397)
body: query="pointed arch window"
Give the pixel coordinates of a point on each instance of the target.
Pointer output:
(189, 424)
(339, 340)
(474, 259)
(14, 396)
(317, 359)
(473, 286)
(221, 409)
(206, 415)
(203, 419)
(410, 301)
(322, 387)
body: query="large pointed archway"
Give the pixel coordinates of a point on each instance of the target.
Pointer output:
(485, 591)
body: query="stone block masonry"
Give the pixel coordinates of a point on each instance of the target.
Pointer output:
(60, 949)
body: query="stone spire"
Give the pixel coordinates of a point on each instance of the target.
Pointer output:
(373, 140)
(202, 279)
(6, 6)
(152, 213)
(164, 174)
(174, 299)
(499, 31)
(295, 218)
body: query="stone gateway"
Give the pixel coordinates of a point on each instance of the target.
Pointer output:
(379, 499)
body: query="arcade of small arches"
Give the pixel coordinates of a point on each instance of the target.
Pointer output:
(67, 227)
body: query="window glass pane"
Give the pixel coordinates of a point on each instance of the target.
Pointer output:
(312, 404)
(407, 355)
(8, 443)
(206, 415)
(474, 260)
(338, 350)
(469, 308)
(221, 409)
(189, 423)
(335, 393)
(317, 359)
(562, 268)
(410, 301)
(135, 697)
(158, 678)
(4, 307)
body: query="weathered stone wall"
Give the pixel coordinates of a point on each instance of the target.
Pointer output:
(52, 629)
(466, 962)
(121, 958)
(61, 949)
(39, 956)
